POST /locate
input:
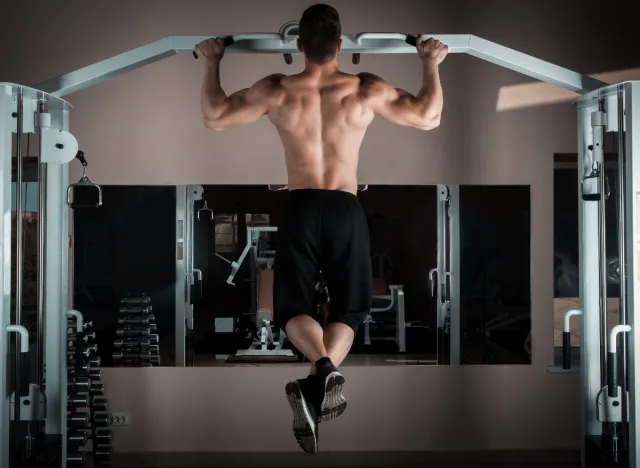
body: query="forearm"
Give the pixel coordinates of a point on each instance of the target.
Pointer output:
(430, 97)
(213, 101)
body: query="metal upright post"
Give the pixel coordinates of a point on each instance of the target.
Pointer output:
(632, 182)
(42, 217)
(181, 279)
(57, 295)
(6, 129)
(622, 257)
(589, 281)
(19, 246)
(454, 274)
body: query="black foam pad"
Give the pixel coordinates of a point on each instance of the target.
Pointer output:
(228, 40)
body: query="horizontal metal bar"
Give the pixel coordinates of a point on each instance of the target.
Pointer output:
(363, 43)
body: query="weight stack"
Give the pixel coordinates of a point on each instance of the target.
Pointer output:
(88, 417)
(136, 343)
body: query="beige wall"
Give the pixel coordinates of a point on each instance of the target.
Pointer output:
(144, 128)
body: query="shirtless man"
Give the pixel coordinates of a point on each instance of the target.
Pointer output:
(321, 115)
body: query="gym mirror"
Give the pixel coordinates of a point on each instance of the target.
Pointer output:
(495, 274)
(183, 275)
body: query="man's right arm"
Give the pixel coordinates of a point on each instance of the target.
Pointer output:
(421, 111)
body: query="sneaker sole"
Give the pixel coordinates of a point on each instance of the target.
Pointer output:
(304, 428)
(334, 403)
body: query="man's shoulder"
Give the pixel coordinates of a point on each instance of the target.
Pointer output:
(371, 83)
(272, 80)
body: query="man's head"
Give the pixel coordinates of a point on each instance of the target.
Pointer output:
(319, 33)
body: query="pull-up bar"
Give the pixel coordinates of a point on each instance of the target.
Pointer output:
(278, 43)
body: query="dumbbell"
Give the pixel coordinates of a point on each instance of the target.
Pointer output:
(141, 356)
(154, 339)
(133, 321)
(129, 331)
(97, 388)
(101, 436)
(77, 401)
(84, 352)
(76, 457)
(153, 349)
(87, 336)
(102, 419)
(71, 324)
(79, 383)
(79, 438)
(142, 299)
(78, 419)
(93, 374)
(95, 361)
(104, 453)
(84, 369)
(135, 309)
(100, 404)
(144, 342)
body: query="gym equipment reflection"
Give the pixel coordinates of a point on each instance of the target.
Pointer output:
(201, 262)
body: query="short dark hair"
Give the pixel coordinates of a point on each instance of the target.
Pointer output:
(319, 32)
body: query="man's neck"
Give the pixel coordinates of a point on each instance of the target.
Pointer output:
(321, 69)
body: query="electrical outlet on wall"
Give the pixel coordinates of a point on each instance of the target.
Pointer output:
(120, 419)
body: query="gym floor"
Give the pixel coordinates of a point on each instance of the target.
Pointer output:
(502, 459)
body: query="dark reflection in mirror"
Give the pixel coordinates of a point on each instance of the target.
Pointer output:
(495, 284)
(123, 250)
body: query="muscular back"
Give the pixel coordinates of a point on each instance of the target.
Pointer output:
(321, 120)
(321, 115)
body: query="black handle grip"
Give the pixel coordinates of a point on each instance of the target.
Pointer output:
(80, 157)
(612, 375)
(23, 390)
(412, 40)
(227, 41)
(566, 350)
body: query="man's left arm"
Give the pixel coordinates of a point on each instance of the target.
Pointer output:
(221, 112)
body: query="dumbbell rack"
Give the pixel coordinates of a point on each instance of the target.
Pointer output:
(136, 344)
(88, 418)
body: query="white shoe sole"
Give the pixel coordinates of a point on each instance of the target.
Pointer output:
(334, 403)
(304, 428)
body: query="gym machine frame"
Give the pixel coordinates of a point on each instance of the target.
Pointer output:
(56, 268)
(268, 342)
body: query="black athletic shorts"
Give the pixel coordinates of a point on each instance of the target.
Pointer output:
(323, 230)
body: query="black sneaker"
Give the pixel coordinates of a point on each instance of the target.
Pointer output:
(305, 417)
(330, 381)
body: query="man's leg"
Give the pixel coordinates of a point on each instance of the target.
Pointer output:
(346, 265)
(338, 339)
(306, 334)
(296, 273)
